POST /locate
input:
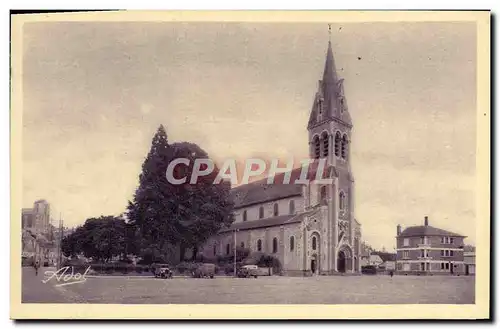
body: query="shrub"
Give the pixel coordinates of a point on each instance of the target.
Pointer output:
(229, 269)
(109, 268)
(186, 267)
(270, 261)
(131, 268)
(210, 260)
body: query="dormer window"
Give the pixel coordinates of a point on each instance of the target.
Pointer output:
(342, 105)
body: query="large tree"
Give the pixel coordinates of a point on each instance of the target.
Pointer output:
(182, 215)
(100, 238)
(203, 207)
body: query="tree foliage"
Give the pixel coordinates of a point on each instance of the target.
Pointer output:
(182, 215)
(100, 238)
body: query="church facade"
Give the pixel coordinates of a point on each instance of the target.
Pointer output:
(310, 228)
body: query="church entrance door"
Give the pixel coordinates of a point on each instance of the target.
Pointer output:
(313, 266)
(341, 262)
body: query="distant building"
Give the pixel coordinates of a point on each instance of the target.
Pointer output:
(429, 250)
(375, 260)
(38, 217)
(470, 262)
(385, 260)
(364, 259)
(37, 233)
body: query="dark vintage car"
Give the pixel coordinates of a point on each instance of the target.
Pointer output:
(162, 271)
(369, 269)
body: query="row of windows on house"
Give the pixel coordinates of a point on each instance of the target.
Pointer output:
(423, 266)
(321, 145)
(291, 205)
(424, 240)
(446, 240)
(291, 245)
(425, 253)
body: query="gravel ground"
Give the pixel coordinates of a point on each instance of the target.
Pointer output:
(263, 290)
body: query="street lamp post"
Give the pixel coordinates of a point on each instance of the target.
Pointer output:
(234, 262)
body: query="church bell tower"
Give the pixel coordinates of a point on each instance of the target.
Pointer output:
(329, 130)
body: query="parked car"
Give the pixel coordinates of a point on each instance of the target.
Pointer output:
(369, 269)
(205, 270)
(162, 271)
(247, 271)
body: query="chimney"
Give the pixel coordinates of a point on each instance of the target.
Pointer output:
(426, 221)
(399, 230)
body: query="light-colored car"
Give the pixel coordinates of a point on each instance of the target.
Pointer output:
(162, 271)
(247, 271)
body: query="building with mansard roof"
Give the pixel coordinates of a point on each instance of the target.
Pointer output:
(310, 228)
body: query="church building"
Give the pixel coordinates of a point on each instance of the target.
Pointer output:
(310, 228)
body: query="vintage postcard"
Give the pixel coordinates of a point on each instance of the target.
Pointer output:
(250, 165)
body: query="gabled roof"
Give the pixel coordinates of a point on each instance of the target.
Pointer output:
(427, 231)
(385, 256)
(266, 222)
(260, 191)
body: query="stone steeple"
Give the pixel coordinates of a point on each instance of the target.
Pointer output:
(329, 102)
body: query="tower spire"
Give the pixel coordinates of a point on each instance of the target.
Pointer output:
(329, 101)
(330, 72)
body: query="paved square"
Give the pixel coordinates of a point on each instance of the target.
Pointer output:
(263, 290)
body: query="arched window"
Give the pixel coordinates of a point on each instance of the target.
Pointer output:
(324, 142)
(344, 147)
(227, 249)
(291, 206)
(317, 147)
(314, 243)
(244, 215)
(342, 201)
(323, 194)
(259, 245)
(215, 249)
(338, 140)
(292, 243)
(275, 245)
(242, 245)
(261, 212)
(276, 210)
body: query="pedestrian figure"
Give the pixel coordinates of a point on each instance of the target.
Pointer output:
(391, 273)
(37, 265)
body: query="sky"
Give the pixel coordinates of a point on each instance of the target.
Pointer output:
(94, 94)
